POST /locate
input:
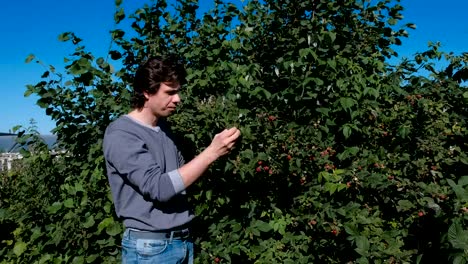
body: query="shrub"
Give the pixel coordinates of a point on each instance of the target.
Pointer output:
(343, 157)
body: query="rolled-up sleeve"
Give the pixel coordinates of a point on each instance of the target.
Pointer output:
(177, 181)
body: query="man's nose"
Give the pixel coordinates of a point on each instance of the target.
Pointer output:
(176, 98)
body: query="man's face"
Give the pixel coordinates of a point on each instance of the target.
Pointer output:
(165, 101)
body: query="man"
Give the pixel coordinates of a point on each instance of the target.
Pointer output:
(146, 171)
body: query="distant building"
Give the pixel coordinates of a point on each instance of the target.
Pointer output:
(7, 159)
(9, 149)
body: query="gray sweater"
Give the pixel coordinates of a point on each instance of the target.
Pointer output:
(142, 166)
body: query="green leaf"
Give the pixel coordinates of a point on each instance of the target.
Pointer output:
(331, 36)
(257, 90)
(348, 152)
(461, 192)
(29, 90)
(263, 226)
(91, 258)
(347, 102)
(30, 58)
(54, 208)
(236, 228)
(114, 229)
(463, 180)
(304, 52)
(190, 136)
(235, 44)
(248, 153)
(457, 236)
(105, 223)
(68, 203)
(347, 131)
(228, 166)
(119, 15)
(45, 258)
(323, 111)
(405, 205)
(318, 81)
(100, 61)
(363, 245)
(262, 156)
(64, 36)
(19, 248)
(208, 195)
(330, 187)
(362, 260)
(351, 229)
(78, 260)
(403, 131)
(459, 259)
(89, 222)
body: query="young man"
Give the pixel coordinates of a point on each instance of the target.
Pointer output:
(146, 171)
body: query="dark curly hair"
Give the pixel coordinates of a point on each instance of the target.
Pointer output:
(150, 75)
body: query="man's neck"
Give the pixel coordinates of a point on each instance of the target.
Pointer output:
(143, 116)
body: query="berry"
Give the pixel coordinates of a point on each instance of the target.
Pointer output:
(258, 169)
(420, 213)
(302, 180)
(217, 260)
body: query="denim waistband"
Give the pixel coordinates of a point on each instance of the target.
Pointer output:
(158, 235)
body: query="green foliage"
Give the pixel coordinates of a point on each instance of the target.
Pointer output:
(343, 158)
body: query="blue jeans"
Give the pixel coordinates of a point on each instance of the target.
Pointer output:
(148, 251)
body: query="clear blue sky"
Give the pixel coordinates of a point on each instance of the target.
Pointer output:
(32, 26)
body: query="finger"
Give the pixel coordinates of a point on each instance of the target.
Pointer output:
(233, 130)
(229, 132)
(230, 145)
(235, 135)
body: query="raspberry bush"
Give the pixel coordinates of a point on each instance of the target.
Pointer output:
(344, 158)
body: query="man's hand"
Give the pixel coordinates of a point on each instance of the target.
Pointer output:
(224, 141)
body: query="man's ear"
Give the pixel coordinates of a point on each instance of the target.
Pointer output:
(147, 95)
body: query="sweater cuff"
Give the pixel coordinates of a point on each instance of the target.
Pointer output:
(177, 181)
